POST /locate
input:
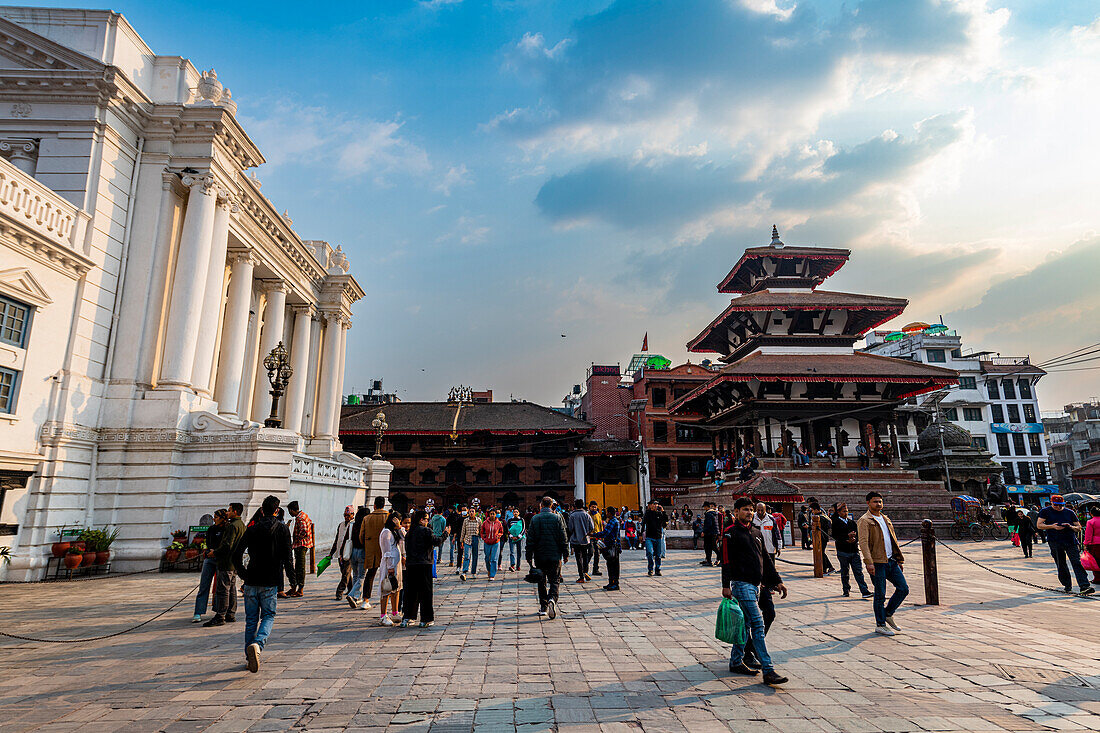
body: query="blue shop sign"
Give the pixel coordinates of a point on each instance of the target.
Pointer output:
(1032, 488)
(1017, 427)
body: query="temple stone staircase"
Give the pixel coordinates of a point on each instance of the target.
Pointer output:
(908, 500)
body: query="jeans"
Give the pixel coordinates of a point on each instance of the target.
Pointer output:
(209, 568)
(595, 553)
(1061, 553)
(358, 567)
(418, 593)
(515, 553)
(582, 554)
(259, 613)
(612, 561)
(492, 558)
(301, 555)
(548, 582)
(888, 571)
(469, 550)
(345, 576)
(748, 597)
(654, 551)
(710, 545)
(225, 593)
(851, 560)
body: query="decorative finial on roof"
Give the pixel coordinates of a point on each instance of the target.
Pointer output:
(775, 237)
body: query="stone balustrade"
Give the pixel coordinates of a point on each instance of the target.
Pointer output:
(25, 199)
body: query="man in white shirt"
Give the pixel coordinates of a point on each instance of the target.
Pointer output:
(341, 551)
(766, 524)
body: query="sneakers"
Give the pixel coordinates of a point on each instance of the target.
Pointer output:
(352, 602)
(216, 621)
(462, 576)
(1087, 591)
(252, 657)
(339, 596)
(596, 572)
(845, 594)
(657, 572)
(651, 573)
(281, 594)
(230, 618)
(588, 577)
(579, 580)
(890, 622)
(750, 662)
(868, 596)
(704, 562)
(542, 612)
(742, 668)
(426, 624)
(387, 621)
(885, 630)
(774, 678)
(552, 610)
(404, 623)
(196, 618)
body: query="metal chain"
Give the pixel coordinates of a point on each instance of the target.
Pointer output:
(1009, 577)
(810, 564)
(104, 576)
(104, 636)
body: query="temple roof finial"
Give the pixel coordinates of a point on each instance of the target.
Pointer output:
(775, 237)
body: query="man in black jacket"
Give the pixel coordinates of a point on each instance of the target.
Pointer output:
(712, 530)
(847, 551)
(267, 542)
(745, 565)
(225, 583)
(654, 522)
(547, 548)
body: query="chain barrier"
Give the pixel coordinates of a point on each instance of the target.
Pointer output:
(1009, 577)
(104, 576)
(104, 636)
(810, 564)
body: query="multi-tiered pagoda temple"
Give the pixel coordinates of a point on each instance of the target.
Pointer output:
(792, 371)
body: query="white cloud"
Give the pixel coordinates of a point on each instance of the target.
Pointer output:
(454, 177)
(467, 230)
(351, 146)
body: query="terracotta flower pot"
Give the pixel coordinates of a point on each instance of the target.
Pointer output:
(171, 555)
(73, 561)
(89, 559)
(190, 554)
(102, 557)
(60, 548)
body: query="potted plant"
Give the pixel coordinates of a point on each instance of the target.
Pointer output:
(179, 535)
(91, 539)
(103, 552)
(73, 558)
(193, 550)
(59, 548)
(172, 554)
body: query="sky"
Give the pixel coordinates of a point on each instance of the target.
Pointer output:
(527, 187)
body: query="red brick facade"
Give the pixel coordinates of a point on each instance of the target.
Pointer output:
(604, 403)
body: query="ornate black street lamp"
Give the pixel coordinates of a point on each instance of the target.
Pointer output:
(380, 427)
(277, 364)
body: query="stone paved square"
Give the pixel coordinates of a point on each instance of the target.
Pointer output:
(996, 656)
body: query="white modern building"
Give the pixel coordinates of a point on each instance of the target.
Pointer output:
(143, 278)
(996, 400)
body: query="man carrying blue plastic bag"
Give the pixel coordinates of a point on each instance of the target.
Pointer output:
(745, 565)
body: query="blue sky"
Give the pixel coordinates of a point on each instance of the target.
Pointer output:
(502, 172)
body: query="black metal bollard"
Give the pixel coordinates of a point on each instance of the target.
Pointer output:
(931, 575)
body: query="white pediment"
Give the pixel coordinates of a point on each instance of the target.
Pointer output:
(22, 48)
(21, 284)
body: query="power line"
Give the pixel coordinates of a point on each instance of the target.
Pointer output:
(1069, 353)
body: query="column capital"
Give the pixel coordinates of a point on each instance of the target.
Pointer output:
(307, 309)
(243, 258)
(336, 318)
(205, 182)
(227, 201)
(273, 286)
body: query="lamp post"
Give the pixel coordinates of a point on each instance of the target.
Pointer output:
(943, 454)
(277, 364)
(380, 427)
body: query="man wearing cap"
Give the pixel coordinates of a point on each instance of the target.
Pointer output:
(1061, 525)
(341, 550)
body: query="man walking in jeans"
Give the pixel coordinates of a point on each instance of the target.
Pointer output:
(303, 543)
(654, 522)
(225, 581)
(745, 565)
(881, 554)
(712, 530)
(547, 548)
(267, 543)
(846, 532)
(580, 527)
(1061, 526)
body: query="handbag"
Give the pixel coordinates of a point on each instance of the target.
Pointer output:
(1015, 539)
(730, 624)
(389, 583)
(1088, 562)
(534, 575)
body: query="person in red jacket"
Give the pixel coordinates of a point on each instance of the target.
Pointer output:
(492, 530)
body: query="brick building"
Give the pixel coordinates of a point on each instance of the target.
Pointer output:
(604, 403)
(451, 452)
(676, 451)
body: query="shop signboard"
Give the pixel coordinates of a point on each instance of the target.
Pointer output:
(1017, 427)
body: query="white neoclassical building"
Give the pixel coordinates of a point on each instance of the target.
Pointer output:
(143, 278)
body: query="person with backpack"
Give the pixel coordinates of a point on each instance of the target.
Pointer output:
(607, 543)
(517, 531)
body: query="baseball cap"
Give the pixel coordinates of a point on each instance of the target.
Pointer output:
(1057, 499)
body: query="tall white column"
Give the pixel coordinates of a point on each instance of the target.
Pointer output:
(251, 356)
(299, 362)
(188, 283)
(270, 337)
(227, 388)
(213, 294)
(344, 326)
(330, 365)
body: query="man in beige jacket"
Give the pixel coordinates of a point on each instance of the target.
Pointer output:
(882, 555)
(372, 551)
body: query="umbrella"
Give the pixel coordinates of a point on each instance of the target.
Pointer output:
(936, 328)
(915, 327)
(895, 336)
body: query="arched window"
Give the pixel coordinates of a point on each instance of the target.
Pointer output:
(481, 477)
(455, 473)
(550, 473)
(509, 474)
(427, 477)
